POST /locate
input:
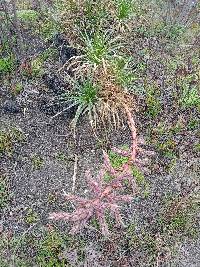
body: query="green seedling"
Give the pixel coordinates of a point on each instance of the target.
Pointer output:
(167, 148)
(50, 249)
(95, 13)
(190, 98)
(37, 69)
(197, 147)
(123, 74)
(37, 162)
(153, 102)
(9, 245)
(17, 88)
(62, 157)
(6, 144)
(177, 128)
(124, 9)
(193, 124)
(48, 28)
(8, 139)
(141, 182)
(7, 65)
(179, 216)
(95, 223)
(52, 198)
(117, 161)
(49, 53)
(31, 217)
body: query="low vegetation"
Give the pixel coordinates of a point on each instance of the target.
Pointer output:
(98, 70)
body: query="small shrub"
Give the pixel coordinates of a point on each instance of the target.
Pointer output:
(104, 199)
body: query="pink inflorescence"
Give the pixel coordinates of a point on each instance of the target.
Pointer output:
(104, 196)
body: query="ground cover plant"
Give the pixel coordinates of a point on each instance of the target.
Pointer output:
(79, 186)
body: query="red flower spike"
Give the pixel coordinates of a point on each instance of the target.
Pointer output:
(104, 196)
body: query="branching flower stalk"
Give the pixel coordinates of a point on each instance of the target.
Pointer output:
(104, 195)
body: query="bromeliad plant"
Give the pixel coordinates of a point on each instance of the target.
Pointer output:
(105, 196)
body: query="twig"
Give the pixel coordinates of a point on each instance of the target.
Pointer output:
(75, 173)
(60, 112)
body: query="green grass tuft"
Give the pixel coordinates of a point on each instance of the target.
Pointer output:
(85, 98)
(124, 9)
(100, 47)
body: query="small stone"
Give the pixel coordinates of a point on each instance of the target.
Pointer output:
(11, 106)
